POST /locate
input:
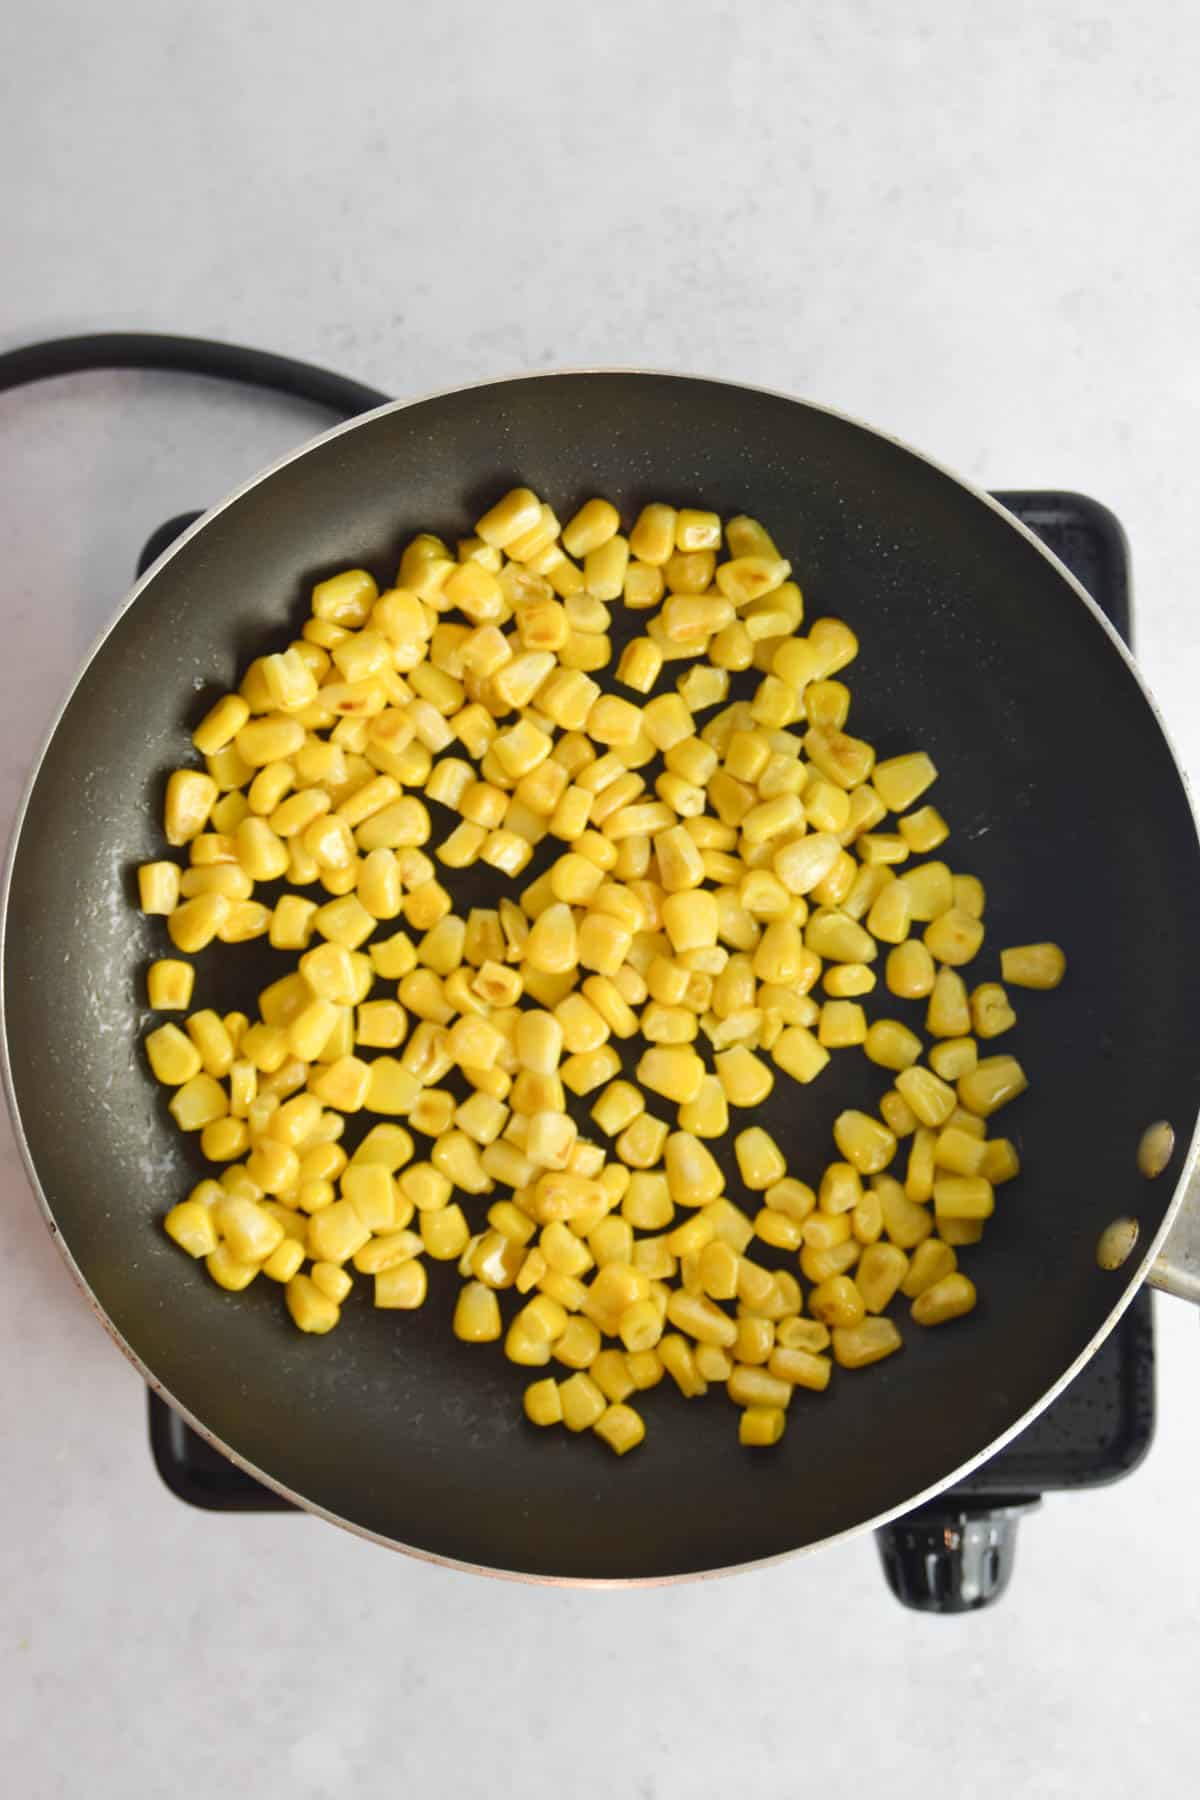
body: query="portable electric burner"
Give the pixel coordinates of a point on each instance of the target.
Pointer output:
(956, 1553)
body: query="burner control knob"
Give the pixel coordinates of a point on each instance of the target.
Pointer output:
(952, 1556)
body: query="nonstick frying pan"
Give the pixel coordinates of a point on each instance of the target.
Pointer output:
(1063, 795)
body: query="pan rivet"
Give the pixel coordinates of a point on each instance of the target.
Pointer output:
(1154, 1151)
(1116, 1242)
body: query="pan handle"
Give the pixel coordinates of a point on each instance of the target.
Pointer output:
(1176, 1268)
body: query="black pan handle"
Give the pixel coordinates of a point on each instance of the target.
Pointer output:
(951, 1556)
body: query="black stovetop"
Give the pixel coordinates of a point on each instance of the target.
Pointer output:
(956, 1553)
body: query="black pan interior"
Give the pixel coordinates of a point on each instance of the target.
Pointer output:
(1063, 797)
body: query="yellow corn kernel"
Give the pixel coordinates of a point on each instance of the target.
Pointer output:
(640, 665)
(690, 919)
(640, 1326)
(963, 1197)
(207, 1031)
(836, 1302)
(969, 895)
(273, 1165)
(519, 512)
(891, 914)
(801, 1055)
(674, 1071)
(910, 970)
(751, 1385)
(173, 1058)
(590, 1070)
(249, 1231)
(797, 1362)
(445, 1234)
(269, 740)
(746, 537)
(866, 1221)
(641, 1143)
(905, 1223)
(954, 937)
(762, 1426)
(247, 919)
(270, 786)
(930, 1262)
(745, 1079)
(930, 1098)
(950, 1298)
(552, 946)
(674, 1355)
(652, 539)
(931, 890)
(825, 1230)
(190, 797)
(169, 985)
(991, 1013)
(621, 1427)
(192, 1225)
(285, 1260)
(992, 1084)
(1001, 1162)
(216, 877)
(869, 1341)
(542, 1402)
(803, 863)
(960, 1231)
(346, 599)
(878, 1275)
(923, 830)
(702, 687)
(345, 1083)
(583, 1403)
(707, 1114)
(310, 1309)
(880, 848)
(918, 1180)
(865, 1143)
(403, 1286)
(833, 935)
(158, 887)
(1033, 965)
(221, 724)
(312, 1196)
(733, 648)
(781, 959)
(605, 566)
(959, 1153)
(265, 1047)
(902, 779)
(755, 1340)
(196, 923)
(719, 1269)
(948, 1014)
(953, 1057)
(760, 1161)
(693, 1174)
(593, 525)
(842, 1023)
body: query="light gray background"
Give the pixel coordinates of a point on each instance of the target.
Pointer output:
(975, 226)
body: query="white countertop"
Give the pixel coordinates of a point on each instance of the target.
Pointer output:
(972, 226)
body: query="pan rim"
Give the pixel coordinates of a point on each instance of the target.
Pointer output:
(1133, 1279)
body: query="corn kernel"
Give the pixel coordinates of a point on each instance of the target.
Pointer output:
(1033, 965)
(949, 1298)
(992, 1084)
(169, 985)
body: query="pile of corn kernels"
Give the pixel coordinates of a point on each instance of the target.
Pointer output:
(717, 897)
